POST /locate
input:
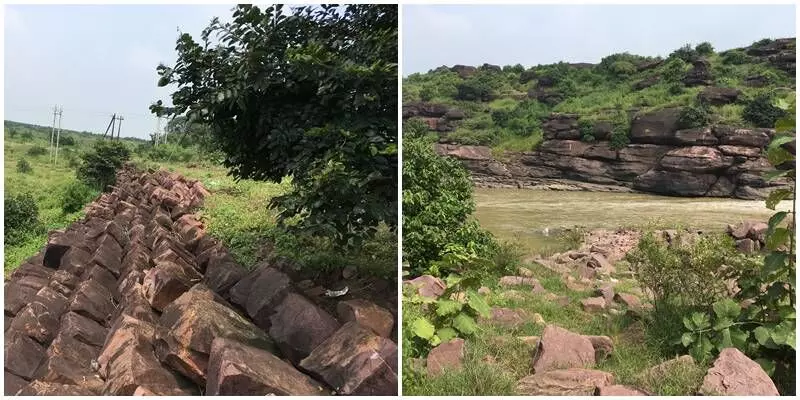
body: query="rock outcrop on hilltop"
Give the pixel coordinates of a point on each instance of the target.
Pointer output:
(136, 299)
(714, 161)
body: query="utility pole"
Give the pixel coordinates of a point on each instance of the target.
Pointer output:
(119, 127)
(53, 131)
(58, 132)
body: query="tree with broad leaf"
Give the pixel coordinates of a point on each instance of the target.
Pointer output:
(311, 93)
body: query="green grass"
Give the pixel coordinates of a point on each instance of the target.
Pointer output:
(237, 213)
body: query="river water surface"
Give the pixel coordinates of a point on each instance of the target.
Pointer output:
(531, 216)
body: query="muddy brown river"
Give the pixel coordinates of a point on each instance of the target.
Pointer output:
(532, 216)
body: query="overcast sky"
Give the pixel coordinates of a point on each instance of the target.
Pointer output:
(95, 60)
(543, 34)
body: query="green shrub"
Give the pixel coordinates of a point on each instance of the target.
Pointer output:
(99, 166)
(704, 49)
(66, 141)
(623, 68)
(36, 151)
(761, 112)
(12, 133)
(685, 53)
(735, 57)
(694, 116)
(21, 217)
(674, 70)
(586, 128)
(474, 90)
(26, 136)
(24, 167)
(76, 195)
(437, 208)
(620, 131)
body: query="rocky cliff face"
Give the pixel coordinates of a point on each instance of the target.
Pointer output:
(137, 300)
(715, 161)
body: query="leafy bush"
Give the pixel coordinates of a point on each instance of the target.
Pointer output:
(24, 167)
(36, 151)
(694, 116)
(474, 90)
(66, 141)
(171, 152)
(586, 128)
(12, 133)
(437, 208)
(623, 68)
(620, 131)
(761, 112)
(76, 195)
(685, 53)
(704, 49)
(99, 166)
(26, 136)
(735, 57)
(674, 70)
(21, 217)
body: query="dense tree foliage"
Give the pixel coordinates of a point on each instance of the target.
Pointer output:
(311, 93)
(99, 166)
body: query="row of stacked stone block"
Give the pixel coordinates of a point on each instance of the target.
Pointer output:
(137, 299)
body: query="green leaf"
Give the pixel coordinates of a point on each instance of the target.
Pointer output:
(780, 140)
(445, 334)
(446, 307)
(762, 335)
(724, 339)
(687, 322)
(727, 308)
(776, 196)
(687, 339)
(452, 280)
(778, 238)
(739, 338)
(475, 301)
(423, 328)
(778, 156)
(435, 341)
(465, 324)
(701, 320)
(776, 219)
(722, 324)
(774, 261)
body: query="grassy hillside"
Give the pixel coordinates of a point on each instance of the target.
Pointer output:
(504, 106)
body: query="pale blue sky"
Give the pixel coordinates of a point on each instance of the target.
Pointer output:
(543, 34)
(95, 60)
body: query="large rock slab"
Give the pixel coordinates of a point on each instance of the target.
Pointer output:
(264, 294)
(168, 281)
(559, 348)
(428, 286)
(23, 355)
(680, 183)
(237, 369)
(564, 382)
(93, 300)
(355, 361)
(191, 324)
(12, 383)
(368, 314)
(298, 326)
(696, 159)
(733, 374)
(656, 127)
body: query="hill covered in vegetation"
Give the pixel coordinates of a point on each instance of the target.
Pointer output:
(505, 107)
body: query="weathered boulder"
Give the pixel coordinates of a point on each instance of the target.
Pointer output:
(60, 369)
(83, 329)
(559, 348)
(696, 137)
(655, 128)
(505, 317)
(696, 159)
(733, 374)
(298, 326)
(222, 273)
(264, 293)
(368, 314)
(12, 383)
(743, 151)
(37, 322)
(700, 74)
(237, 369)
(593, 304)
(166, 282)
(93, 300)
(355, 361)
(681, 183)
(564, 382)
(464, 71)
(742, 136)
(446, 356)
(428, 286)
(603, 346)
(718, 96)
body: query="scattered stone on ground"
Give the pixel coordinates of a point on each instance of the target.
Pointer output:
(593, 304)
(428, 286)
(559, 348)
(603, 346)
(446, 356)
(564, 382)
